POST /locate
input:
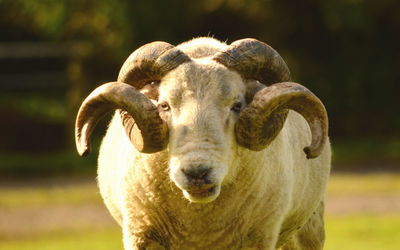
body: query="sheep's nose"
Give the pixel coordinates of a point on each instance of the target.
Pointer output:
(197, 174)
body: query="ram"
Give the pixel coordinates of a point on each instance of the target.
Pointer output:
(211, 147)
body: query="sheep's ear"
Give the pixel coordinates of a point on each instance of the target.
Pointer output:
(151, 90)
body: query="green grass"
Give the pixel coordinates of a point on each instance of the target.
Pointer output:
(78, 240)
(363, 232)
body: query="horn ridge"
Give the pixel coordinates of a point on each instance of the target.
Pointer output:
(150, 62)
(254, 59)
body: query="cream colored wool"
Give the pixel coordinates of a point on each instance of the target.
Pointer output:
(268, 199)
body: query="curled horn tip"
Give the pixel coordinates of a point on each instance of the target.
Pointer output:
(83, 150)
(315, 149)
(82, 141)
(83, 147)
(311, 153)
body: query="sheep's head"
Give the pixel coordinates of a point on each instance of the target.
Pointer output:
(203, 108)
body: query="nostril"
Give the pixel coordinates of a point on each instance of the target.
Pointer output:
(196, 172)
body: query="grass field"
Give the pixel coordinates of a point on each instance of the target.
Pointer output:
(363, 231)
(77, 240)
(363, 212)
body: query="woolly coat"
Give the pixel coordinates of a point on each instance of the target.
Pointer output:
(275, 199)
(275, 193)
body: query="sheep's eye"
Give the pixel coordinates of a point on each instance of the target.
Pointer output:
(237, 107)
(163, 106)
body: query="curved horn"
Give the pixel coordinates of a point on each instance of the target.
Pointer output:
(150, 63)
(253, 59)
(146, 64)
(261, 121)
(115, 95)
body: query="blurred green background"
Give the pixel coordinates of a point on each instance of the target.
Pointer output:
(53, 53)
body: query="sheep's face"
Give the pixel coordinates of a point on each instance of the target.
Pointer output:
(201, 101)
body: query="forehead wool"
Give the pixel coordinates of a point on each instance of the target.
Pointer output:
(201, 79)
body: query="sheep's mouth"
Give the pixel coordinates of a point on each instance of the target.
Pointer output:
(203, 194)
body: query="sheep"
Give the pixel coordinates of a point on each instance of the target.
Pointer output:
(211, 147)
